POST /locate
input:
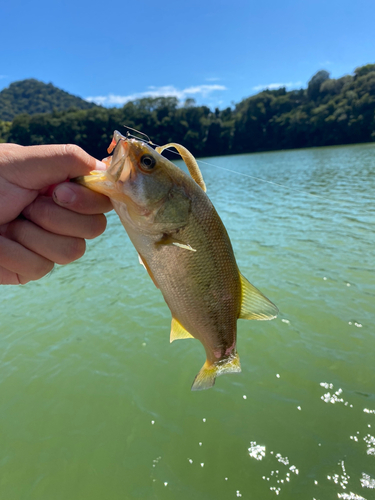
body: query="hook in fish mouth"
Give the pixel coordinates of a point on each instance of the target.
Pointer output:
(128, 134)
(120, 164)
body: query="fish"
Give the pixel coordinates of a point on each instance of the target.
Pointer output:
(184, 246)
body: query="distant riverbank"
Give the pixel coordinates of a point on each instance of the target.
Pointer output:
(329, 112)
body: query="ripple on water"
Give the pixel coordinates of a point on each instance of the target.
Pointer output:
(92, 391)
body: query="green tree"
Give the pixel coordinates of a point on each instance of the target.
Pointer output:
(4, 130)
(329, 111)
(313, 87)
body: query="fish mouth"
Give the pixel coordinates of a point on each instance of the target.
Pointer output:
(120, 164)
(118, 172)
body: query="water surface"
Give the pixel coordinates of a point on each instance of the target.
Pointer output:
(96, 404)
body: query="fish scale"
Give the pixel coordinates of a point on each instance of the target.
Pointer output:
(184, 247)
(213, 272)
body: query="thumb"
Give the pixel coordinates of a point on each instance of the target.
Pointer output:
(36, 167)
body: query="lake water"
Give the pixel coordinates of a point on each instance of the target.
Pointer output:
(95, 403)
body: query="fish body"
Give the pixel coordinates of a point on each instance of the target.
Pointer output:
(184, 246)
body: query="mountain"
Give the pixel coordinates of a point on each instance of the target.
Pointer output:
(32, 96)
(328, 112)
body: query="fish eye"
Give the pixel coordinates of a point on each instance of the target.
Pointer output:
(148, 162)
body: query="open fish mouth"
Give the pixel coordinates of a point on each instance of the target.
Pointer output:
(119, 164)
(119, 168)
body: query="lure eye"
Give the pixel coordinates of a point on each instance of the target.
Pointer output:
(147, 162)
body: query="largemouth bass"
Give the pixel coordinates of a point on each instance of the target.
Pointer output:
(185, 248)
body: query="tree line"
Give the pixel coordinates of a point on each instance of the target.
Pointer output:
(329, 112)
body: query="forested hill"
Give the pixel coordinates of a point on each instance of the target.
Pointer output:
(32, 96)
(328, 112)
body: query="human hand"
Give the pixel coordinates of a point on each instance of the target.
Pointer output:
(38, 230)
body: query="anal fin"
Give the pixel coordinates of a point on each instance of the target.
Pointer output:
(178, 331)
(208, 373)
(254, 304)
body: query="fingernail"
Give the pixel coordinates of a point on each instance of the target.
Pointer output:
(64, 194)
(100, 165)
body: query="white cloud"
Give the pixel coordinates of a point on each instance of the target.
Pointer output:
(3, 76)
(326, 63)
(274, 86)
(165, 91)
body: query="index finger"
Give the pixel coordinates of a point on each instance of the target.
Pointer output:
(35, 167)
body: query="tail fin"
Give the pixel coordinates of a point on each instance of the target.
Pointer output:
(208, 373)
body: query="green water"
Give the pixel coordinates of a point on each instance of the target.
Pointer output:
(95, 403)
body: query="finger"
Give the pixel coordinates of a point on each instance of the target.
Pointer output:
(80, 199)
(8, 277)
(45, 213)
(35, 167)
(20, 263)
(11, 278)
(54, 247)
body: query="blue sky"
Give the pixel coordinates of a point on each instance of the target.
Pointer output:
(217, 52)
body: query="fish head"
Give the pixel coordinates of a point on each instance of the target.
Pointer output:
(136, 171)
(142, 184)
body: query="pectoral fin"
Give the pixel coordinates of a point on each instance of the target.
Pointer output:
(178, 331)
(208, 373)
(254, 304)
(170, 240)
(182, 245)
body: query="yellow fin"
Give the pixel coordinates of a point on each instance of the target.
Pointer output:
(189, 160)
(182, 245)
(178, 331)
(254, 304)
(170, 240)
(208, 373)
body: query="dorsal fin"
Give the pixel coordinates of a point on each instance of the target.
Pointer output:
(178, 331)
(254, 304)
